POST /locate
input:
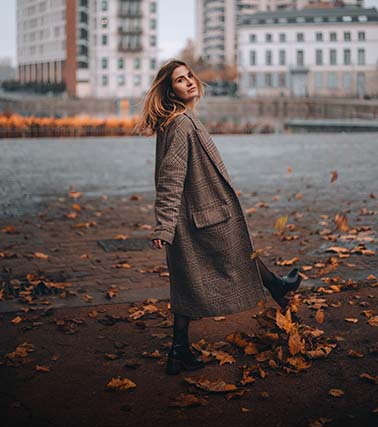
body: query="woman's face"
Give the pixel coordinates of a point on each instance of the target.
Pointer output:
(183, 84)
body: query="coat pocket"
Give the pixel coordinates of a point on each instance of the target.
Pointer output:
(211, 216)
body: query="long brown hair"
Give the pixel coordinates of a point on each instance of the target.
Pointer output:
(160, 108)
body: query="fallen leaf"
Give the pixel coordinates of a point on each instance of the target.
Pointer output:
(319, 316)
(284, 321)
(120, 384)
(288, 261)
(75, 194)
(355, 354)
(335, 392)
(341, 222)
(371, 378)
(296, 343)
(217, 386)
(154, 355)
(236, 394)
(351, 319)
(40, 255)
(188, 400)
(41, 368)
(334, 176)
(320, 352)
(17, 320)
(373, 321)
(320, 422)
(223, 357)
(281, 223)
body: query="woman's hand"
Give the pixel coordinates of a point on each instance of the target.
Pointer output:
(159, 244)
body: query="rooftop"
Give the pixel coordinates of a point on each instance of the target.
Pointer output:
(287, 16)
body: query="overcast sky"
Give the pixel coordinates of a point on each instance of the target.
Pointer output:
(176, 25)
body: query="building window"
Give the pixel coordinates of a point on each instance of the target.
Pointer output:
(347, 57)
(83, 18)
(104, 39)
(347, 80)
(136, 63)
(121, 80)
(152, 63)
(121, 63)
(268, 37)
(252, 80)
(104, 22)
(347, 36)
(332, 80)
(152, 24)
(104, 5)
(104, 63)
(153, 7)
(319, 57)
(252, 57)
(282, 57)
(318, 77)
(333, 37)
(319, 37)
(282, 37)
(282, 79)
(153, 40)
(268, 79)
(105, 80)
(137, 80)
(361, 36)
(361, 56)
(252, 38)
(300, 37)
(268, 57)
(83, 34)
(300, 58)
(333, 57)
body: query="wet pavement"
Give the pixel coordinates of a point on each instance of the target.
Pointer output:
(34, 172)
(276, 175)
(78, 311)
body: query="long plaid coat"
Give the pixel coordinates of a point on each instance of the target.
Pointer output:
(200, 217)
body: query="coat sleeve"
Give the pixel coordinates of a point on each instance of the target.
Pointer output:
(170, 183)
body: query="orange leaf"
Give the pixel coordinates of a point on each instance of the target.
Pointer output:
(334, 176)
(319, 316)
(40, 255)
(335, 392)
(351, 319)
(373, 321)
(120, 384)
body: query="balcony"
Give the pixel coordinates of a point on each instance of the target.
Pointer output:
(130, 31)
(130, 48)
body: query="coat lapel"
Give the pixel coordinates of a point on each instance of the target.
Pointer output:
(208, 145)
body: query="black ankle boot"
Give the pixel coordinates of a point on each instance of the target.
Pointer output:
(181, 357)
(292, 280)
(279, 287)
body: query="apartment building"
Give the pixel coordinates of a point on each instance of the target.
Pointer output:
(98, 48)
(309, 52)
(217, 22)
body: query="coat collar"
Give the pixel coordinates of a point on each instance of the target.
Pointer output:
(194, 117)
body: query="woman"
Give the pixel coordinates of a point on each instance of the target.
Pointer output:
(199, 219)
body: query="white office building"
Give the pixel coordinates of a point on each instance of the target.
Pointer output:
(98, 48)
(309, 52)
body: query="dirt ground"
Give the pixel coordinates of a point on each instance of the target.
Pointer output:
(315, 365)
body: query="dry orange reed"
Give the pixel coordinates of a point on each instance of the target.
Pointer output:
(16, 126)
